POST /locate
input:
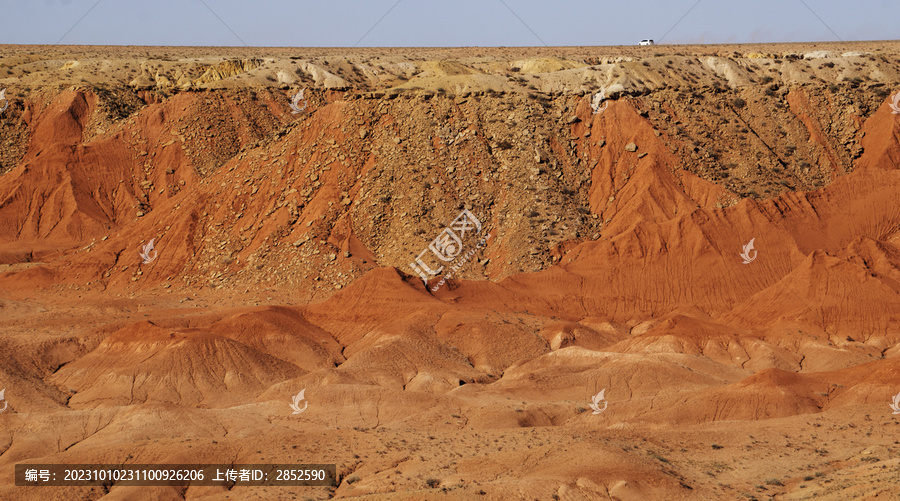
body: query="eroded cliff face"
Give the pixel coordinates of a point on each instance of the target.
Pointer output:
(236, 188)
(716, 241)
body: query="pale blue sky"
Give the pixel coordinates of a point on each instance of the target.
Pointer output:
(343, 23)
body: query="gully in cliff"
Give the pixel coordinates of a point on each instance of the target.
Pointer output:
(481, 243)
(448, 247)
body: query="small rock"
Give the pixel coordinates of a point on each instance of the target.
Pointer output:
(631, 147)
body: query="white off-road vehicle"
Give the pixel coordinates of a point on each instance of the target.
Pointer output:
(647, 42)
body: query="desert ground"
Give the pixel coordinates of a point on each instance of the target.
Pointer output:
(686, 287)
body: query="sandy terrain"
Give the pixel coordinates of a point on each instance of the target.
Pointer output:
(618, 260)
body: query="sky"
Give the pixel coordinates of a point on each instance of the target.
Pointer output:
(442, 23)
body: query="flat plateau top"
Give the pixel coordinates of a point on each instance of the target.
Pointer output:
(888, 46)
